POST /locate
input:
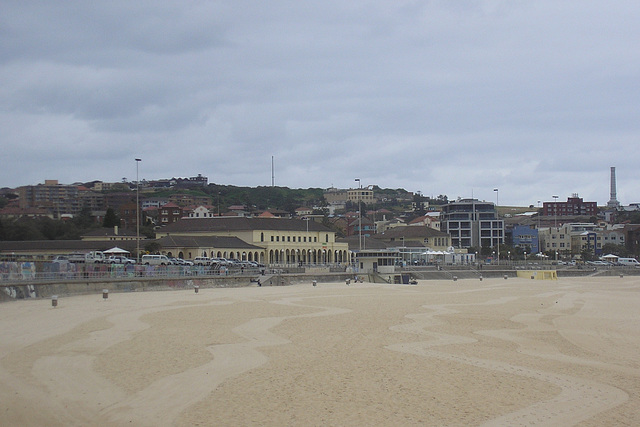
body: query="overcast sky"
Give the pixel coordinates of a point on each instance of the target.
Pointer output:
(535, 98)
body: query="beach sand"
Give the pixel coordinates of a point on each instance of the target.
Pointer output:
(494, 352)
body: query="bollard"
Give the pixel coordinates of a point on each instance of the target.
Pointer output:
(621, 276)
(196, 288)
(533, 277)
(105, 293)
(455, 278)
(348, 281)
(54, 300)
(505, 277)
(481, 277)
(315, 283)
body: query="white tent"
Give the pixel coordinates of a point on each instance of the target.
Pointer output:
(116, 251)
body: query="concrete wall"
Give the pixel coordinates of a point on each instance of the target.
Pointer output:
(46, 290)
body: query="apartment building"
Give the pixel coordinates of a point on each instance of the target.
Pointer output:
(472, 223)
(570, 238)
(57, 199)
(526, 236)
(364, 195)
(574, 206)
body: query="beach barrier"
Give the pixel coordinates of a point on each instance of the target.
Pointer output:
(538, 274)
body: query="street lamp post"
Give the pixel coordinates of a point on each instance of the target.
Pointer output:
(137, 212)
(498, 218)
(359, 216)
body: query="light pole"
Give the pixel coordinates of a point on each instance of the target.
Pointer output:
(137, 212)
(525, 257)
(359, 216)
(498, 218)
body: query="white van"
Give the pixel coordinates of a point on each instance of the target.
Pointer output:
(155, 260)
(202, 260)
(628, 262)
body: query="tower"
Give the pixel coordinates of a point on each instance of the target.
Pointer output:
(613, 201)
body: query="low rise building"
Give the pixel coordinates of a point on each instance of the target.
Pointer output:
(283, 240)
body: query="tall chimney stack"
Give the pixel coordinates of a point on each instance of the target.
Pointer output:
(613, 200)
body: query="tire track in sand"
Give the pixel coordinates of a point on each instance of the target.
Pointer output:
(169, 396)
(579, 399)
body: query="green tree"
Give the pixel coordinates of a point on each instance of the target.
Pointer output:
(110, 219)
(619, 250)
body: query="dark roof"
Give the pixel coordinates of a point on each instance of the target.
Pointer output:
(66, 245)
(110, 232)
(205, 242)
(367, 242)
(241, 224)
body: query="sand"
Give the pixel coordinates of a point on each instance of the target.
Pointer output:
(494, 352)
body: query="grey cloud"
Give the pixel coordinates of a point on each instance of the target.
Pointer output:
(440, 97)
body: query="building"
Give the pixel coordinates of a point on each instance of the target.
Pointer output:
(563, 239)
(128, 214)
(104, 234)
(57, 199)
(361, 195)
(169, 213)
(183, 200)
(282, 240)
(526, 237)
(574, 206)
(203, 212)
(188, 247)
(472, 223)
(431, 220)
(428, 238)
(335, 196)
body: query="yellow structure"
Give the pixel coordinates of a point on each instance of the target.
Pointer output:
(538, 274)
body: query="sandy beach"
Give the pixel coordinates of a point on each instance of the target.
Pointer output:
(494, 352)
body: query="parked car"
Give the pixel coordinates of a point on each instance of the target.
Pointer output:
(117, 259)
(155, 260)
(202, 260)
(180, 261)
(61, 259)
(628, 262)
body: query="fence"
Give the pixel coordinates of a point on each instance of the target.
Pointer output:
(21, 272)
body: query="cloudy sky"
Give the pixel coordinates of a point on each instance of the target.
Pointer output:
(535, 98)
